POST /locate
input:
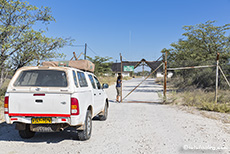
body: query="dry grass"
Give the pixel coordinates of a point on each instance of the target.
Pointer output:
(127, 78)
(202, 100)
(5, 85)
(2, 92)
(1, 101)
(159, 80)
(107, 79)
(1, 109)
(1, 106)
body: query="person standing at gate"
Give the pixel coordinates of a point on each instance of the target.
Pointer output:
(118, 87)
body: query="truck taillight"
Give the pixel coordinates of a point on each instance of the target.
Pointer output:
(6, 105)
(74, 106)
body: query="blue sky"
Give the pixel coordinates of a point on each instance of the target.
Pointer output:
(136, 28)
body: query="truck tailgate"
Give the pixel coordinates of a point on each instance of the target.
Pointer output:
(43, 104)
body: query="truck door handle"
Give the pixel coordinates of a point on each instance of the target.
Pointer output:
(94, 94)
(99, 93)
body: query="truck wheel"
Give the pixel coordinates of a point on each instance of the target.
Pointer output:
(104, 116)
(27, 133)
(86, 133)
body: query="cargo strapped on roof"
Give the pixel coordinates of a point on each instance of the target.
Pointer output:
(85, 65)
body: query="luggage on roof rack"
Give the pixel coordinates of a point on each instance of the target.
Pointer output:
(85, 65)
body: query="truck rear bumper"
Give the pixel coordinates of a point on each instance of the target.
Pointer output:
(70, 120)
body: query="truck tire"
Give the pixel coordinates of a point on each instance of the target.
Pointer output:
(27, 133)
(86, 133)
(104, 116)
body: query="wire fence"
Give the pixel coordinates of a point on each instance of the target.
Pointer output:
(190, 75)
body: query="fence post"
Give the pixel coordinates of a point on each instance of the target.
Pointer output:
(217, 75)
(121, 76)
(165, 76)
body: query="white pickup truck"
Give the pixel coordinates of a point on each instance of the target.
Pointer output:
(50, 99)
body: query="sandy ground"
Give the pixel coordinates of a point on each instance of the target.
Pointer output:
(131, 128)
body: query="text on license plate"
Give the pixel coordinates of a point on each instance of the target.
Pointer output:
(41, 120)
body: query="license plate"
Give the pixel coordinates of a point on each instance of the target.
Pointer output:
(41, 120)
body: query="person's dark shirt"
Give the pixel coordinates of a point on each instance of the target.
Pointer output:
(118, 83)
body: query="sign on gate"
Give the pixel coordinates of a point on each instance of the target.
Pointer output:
(129, 68)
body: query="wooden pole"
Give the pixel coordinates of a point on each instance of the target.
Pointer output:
(79, 56)
(165, 76)
(85, 51)
(121, 75)
(217, 75)
(74, 54)
(190, 67)
(143, 69)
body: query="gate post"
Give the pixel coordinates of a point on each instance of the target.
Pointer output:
(165, 77)
(121, 76)
(217, 75)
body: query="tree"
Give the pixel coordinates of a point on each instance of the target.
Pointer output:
(20, 44)
(199, 47)
(102, 65)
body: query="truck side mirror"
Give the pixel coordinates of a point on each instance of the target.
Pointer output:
(105, 86)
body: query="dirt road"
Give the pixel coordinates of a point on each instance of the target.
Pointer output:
(131, 128)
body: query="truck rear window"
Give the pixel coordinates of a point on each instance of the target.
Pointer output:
(42, 78)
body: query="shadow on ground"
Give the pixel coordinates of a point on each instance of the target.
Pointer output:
(149, 86)
(9, 133)
(144, 90)
(146, 102)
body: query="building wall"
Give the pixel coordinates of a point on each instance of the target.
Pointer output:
(161, 75)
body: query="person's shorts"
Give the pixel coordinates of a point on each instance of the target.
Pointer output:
(118, 91)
